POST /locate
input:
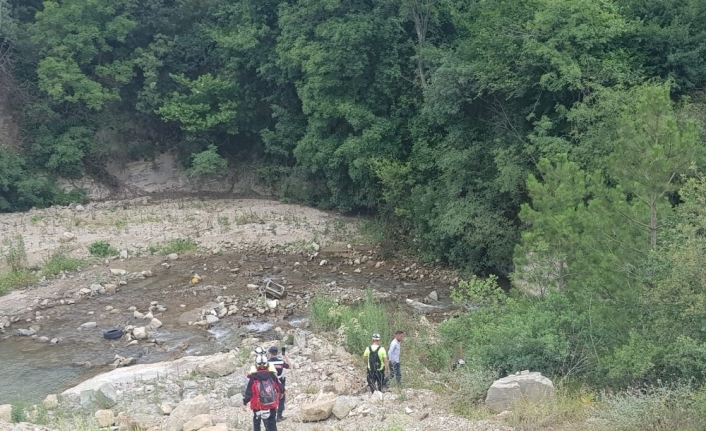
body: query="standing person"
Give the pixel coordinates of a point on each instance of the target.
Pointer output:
(253, 369)
(280, 365)
(394, 355)
(263, 394)
(376, 358)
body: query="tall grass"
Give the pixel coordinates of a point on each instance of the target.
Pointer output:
(60, 262)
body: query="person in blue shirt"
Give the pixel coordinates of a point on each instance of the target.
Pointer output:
(394, 356)
(280, 364)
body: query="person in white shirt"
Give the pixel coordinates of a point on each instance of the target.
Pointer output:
(394, 355)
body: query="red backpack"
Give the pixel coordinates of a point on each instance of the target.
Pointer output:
(264, 395)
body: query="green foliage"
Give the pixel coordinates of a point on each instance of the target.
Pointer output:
(78, 42)
(207, 163)
(662, 407)
(479, 292)
(16, 280)
(59, 262)
(178, 245)
(14, 251)
(102, 248)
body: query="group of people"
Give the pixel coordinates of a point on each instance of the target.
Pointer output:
(379, 361)
(265, 390)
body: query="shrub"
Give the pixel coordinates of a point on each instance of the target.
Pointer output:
(179, 245)
(207, 163)
(16, 280)
(102, 249)
(659, 408)
(13, 248)
(60, 262)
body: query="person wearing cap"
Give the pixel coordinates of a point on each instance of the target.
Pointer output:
(260, 351)
(267, 416)
(376, 377)
(280, 365)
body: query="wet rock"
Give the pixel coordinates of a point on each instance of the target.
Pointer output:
(433, 295)
(155, 324)
(26, 332)
(140, 333)
(318, 411)
(105, 418)
(218, 365)
(198, 422)
(187, 410)
(89, 325)
(51, 402)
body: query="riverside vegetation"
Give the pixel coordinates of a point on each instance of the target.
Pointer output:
(556, 142)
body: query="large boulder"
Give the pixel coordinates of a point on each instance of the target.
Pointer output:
(218, 365)
(51, 402)
(503, 393)
(343, 406)
(319, 410)
(187, 410)
(198, 422)
(104, 397)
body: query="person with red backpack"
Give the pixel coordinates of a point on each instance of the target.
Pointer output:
(263, 393)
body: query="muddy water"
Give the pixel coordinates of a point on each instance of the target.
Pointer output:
(30, 370)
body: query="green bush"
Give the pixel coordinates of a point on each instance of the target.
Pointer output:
(102, 249)
(60, 262)
(13, 249)
(207, 163)
(179, 245)
(676, 407)
(16, 280)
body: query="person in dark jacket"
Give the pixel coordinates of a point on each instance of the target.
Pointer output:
(261, 414)
(280, 364)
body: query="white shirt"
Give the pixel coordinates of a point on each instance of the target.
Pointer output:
(394, 352)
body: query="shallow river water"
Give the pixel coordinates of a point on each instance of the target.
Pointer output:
(30, 370)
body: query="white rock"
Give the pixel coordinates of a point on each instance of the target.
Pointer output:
(165, 409)
(315, 246)
(433, 295)
(89, 325)
(105, 418)
(51, 402)
(117, 271)
(218, 365)
(6, 413)
(140, 333)
(155, 324)
(216, 427)
(211, 319)
(67, 237)
(138, 315)
(186, 410)
(503, 393)
(198, 422)
(172, 256)
(323, 262)
(318, 411)
(123, 254)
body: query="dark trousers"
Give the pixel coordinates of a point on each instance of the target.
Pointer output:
(395, 371)
(376, 380)
(270, 423)
(280, 408)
